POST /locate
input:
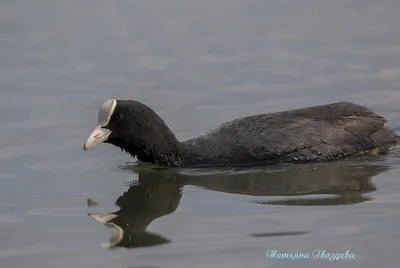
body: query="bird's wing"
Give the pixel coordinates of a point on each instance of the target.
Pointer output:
(323, 132)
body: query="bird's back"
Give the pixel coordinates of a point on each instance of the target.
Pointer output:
(318, 133)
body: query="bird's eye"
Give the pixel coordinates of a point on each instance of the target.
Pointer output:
(119, 117)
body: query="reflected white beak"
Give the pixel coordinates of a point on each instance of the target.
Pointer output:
(98, 135)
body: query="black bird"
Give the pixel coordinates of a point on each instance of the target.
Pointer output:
(312, 134)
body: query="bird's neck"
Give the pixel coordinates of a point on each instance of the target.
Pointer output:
(163, 151)
(164, 155)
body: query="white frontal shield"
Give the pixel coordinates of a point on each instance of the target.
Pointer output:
(100, 134)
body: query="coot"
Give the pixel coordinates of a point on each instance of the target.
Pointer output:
(312, 134)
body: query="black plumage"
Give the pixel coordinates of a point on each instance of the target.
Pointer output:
(312, 134)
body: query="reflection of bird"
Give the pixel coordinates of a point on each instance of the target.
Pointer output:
(319, 133)
(158, 193)
(348, 182)
(296, 180)
(153, 197)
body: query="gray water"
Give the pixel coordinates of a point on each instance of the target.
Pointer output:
(197, 64)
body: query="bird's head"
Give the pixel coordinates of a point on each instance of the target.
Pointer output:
(135, 128)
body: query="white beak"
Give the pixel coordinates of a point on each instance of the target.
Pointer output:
(98, 135)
